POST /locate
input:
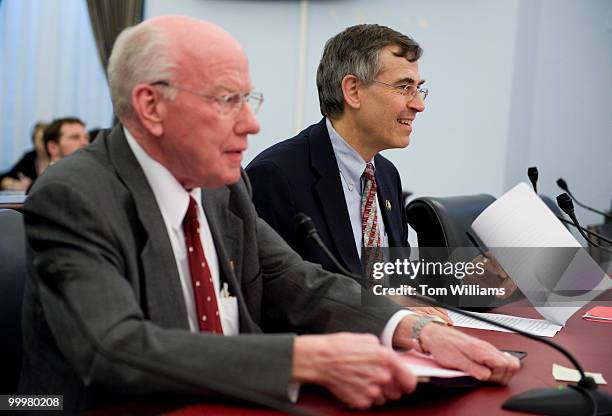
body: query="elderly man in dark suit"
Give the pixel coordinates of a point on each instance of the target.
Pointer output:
(149, 235)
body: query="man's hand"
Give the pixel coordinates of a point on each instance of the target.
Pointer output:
(356, 368)
(22, 184)
(421, 308)
(494, 275)
(454, 349)
(433, 311)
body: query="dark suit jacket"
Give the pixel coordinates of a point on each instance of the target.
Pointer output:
(301, 175)
(97, 239)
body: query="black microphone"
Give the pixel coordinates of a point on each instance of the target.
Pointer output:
(307, 228)
(551, 401)
(563, 185)
(178, 376)
(532, 172)
(565, 203)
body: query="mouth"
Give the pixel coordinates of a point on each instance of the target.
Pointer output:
(235, 155)
(405, 121)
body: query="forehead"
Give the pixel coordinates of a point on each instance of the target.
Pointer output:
(71, 128)
(215, 65)
(394, 68)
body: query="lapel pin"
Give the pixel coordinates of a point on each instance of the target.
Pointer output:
(231, 265)
(388, 204)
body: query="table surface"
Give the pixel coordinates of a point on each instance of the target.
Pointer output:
(590, 342)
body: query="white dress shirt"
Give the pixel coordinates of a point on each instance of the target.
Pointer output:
(351, 166)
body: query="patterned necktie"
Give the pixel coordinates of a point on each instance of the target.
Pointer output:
(370, 232)
(201, 279)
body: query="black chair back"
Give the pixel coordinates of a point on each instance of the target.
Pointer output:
(12, 278)
(441, 225)
(442, 222)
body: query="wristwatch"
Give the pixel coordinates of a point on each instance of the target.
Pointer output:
(415, 333)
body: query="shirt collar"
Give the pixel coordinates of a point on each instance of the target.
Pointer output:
(171, 197)
(350, 162)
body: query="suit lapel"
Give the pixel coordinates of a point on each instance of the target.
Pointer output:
(328, 189)
(164, 297)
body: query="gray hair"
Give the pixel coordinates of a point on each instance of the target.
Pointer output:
(356, 51)
(140, 55)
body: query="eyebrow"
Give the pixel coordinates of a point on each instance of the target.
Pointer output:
(231, 89)
(410, 80)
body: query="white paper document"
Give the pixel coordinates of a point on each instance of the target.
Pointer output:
(422, 365)
(540, 255)
(539, 327)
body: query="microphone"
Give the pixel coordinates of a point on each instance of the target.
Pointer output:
(307, 228)
(532, 172)
(563, 185)
(572, 400)
(178, 376)
(565, 203)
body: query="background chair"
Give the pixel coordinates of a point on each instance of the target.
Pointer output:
(12, 277)
(442, 222)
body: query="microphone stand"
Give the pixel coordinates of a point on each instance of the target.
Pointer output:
(586, 230)
(563, 185)
(563, 401)
(566, 204)
(532, 172)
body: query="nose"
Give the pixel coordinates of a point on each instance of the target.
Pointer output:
(417, 103)
(246, 122)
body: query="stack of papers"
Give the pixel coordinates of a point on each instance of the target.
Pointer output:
(540, 327)
(527, 239)
(599, 314)
(424, 366)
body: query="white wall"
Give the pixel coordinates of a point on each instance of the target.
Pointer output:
(462, 114)
(562, 101)
(513, 83)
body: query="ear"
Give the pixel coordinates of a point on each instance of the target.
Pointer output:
(350, 90)
(149, 108)
(53, 150)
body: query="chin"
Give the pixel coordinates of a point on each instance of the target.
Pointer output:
(232, 177)
(401, 142)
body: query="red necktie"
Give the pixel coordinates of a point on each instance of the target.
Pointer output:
(201, 279)
(370, 232)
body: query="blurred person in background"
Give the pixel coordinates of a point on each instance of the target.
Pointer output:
(21, 176)
(93, 133)
(64, 136)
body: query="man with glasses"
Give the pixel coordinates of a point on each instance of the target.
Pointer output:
(147, 244)
(370, 92)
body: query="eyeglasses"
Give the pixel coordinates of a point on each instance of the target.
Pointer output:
(407, 90)
(230, 103)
